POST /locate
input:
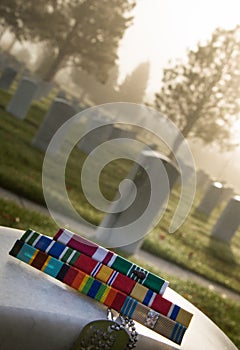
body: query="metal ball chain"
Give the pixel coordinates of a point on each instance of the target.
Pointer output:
(133, 337)
(127, 324)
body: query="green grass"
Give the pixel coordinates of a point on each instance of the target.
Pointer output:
(21, 163)
(15, 216)
(224, 312)
(191, 246)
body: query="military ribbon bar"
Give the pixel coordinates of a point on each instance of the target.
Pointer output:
(107, 275)
(110, 259)
(111, 297)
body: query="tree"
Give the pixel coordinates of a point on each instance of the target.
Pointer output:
(23, 55)
(21, 17)
(97, 92)
(46, 56)
(134, 86)
(202, 96)
(83, 33)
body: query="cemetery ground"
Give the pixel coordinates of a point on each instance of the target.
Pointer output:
(223, 311)
(191, 246)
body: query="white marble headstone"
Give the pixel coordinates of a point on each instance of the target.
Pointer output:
(229, 221)
(59, 112)
(7, 78)
(22, 99)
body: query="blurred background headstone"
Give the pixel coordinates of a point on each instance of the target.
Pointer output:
(7, 78)
(211, 198)
(229, 221)
(203, 179)
(43, 89)
(22, 99)
(144, 190)
(59, 112)
(98, 133)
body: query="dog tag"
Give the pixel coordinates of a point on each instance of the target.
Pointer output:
(102, 334)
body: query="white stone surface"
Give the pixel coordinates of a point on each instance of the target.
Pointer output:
(132, 224)
(37, 312)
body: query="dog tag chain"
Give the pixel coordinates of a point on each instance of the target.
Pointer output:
(107, 335)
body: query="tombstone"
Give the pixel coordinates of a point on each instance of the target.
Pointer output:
(44, 88)
(153, 146)
(211, 198)
(7, 78)
(22, 99)
(188, 171)
(26, 73)
(98, 133)
(152, 161)
(229, 221)
(76, 105)
(227, 193)
(59, 112)
(75, 102)
(122, 133)
(3, 60)
(61, 94)
(203, 179)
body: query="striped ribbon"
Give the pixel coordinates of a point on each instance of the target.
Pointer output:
(107, 275)
(115, 299)
(110, 259)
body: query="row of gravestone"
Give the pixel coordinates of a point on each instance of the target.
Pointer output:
(29, 89)
(97, 132)
(8, 60)
(216, 193)
(60, 111)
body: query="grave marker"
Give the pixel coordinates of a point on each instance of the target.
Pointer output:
(122, 133)
(227, 193)
(229, 221)
(203, 179)
(98, 133)
(144, 189)
(61, 94)
(7, 78)
(59, 112)
(211, 198)
(44, 88)
(22, 99)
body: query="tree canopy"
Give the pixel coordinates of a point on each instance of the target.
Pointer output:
(135, 84)
(132, 89)
(83, 33)
(202, 94)
(92, 89)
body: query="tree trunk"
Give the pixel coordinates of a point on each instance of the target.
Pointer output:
(2, 33)
(184, 132)
(55, 65)
(62, 53)
(10, 46)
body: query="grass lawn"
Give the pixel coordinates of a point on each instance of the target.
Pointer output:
(191, 246)
(224, 312)
(21, 164)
